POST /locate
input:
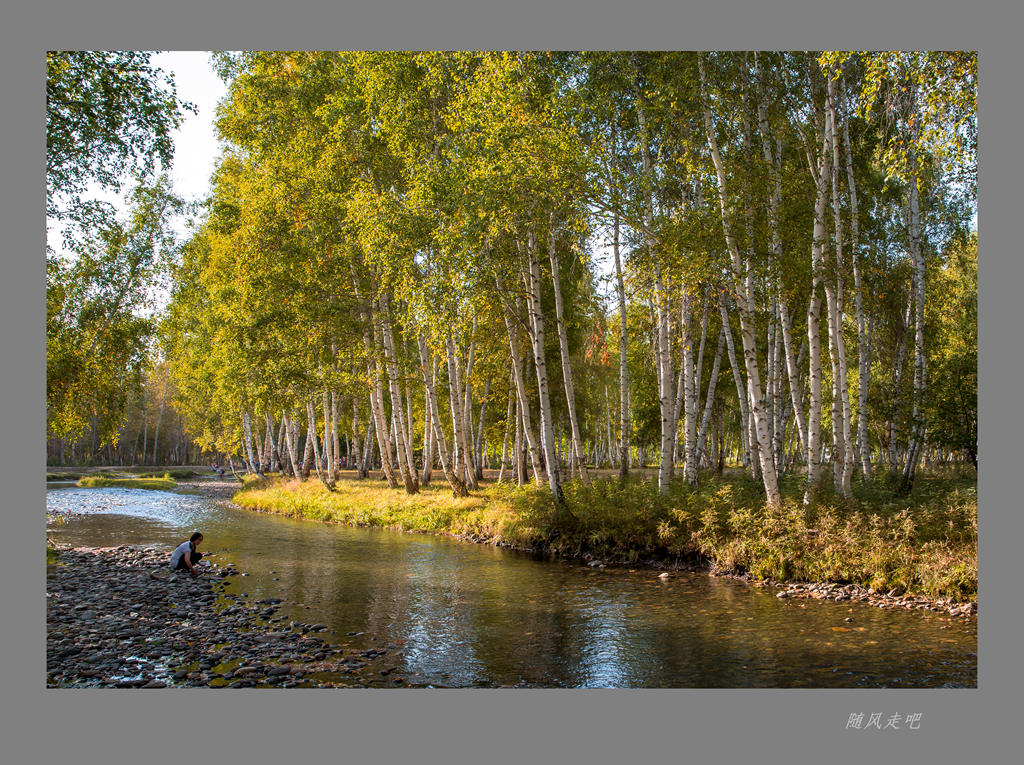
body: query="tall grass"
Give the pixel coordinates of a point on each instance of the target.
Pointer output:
(926, 543)
(94, 481)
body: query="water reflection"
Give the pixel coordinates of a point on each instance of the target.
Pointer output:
(475, 615)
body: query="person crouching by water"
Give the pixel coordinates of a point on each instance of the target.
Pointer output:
(185, 555)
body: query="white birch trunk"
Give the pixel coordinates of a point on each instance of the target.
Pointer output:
(689, 398)
(537, 323)
(917, 258)
(665, 385)
(357, 451)
(624, 419)
(741, 394)
(710, 398)
(478, 443)
(767, 462)
(434, 420)
(519, 462)
(508, 431)
(465, 461)
(863, 352)
(521, 394)
(409, 476)
(293, 448)
(247, 435)
(328, 445)
(307, 452)
(563, 347)
(311, 437)
(428, 421)
(841, 391)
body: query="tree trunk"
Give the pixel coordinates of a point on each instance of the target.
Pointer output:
(464, 459)
(357, 454)
(519, 464)
(329, 458)
(841, 391)
(247, 435)
(159, 419)
(741, 395)
(917, 257)
(434, 420)
(821, 171)
(293, 453)
(521, 394)
(624, 428)
(307, 452)
(710, 398)
(405, 464)
(746, 307)
(508, 430)
(540, 365)
(689, 397)
(478, 444)
(863, 352)
(563, 347)
(311, 438)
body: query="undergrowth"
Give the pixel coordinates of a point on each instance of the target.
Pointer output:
(925, 543)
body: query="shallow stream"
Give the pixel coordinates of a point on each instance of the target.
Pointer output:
(473, 615)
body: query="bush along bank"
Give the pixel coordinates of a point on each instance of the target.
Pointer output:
(890, 551)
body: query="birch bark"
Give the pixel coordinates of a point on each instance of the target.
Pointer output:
(620, 289)
(405, 465)
(767, 463)
(863, 351)
(563, 347)
(537, 327)
(521, 394)
(841, 391)
(434, 420)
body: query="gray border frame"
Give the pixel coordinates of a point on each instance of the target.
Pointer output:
(794, 726)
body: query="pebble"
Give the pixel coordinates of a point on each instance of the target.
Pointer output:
(893, 598)
(109, 623)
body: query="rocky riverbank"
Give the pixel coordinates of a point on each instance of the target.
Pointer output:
(829, 591)
(216, 488)
(889, 599)
(110, 623)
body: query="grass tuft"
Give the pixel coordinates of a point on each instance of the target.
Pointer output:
(164, 483)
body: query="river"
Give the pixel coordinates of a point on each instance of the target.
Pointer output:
(478, 616)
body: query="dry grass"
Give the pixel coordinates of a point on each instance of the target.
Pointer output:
(925, 543)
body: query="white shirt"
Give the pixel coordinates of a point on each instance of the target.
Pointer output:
(178, 552)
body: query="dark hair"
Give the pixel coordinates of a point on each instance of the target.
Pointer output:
(195, 536)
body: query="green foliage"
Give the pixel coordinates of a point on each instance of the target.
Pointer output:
(109, 114)
(952, 317)
(97, 330)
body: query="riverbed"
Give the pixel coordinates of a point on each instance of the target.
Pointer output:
(479, 616)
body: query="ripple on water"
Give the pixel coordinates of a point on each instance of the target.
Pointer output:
(470, 615)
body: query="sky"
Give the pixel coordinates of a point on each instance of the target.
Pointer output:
(195, 141)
